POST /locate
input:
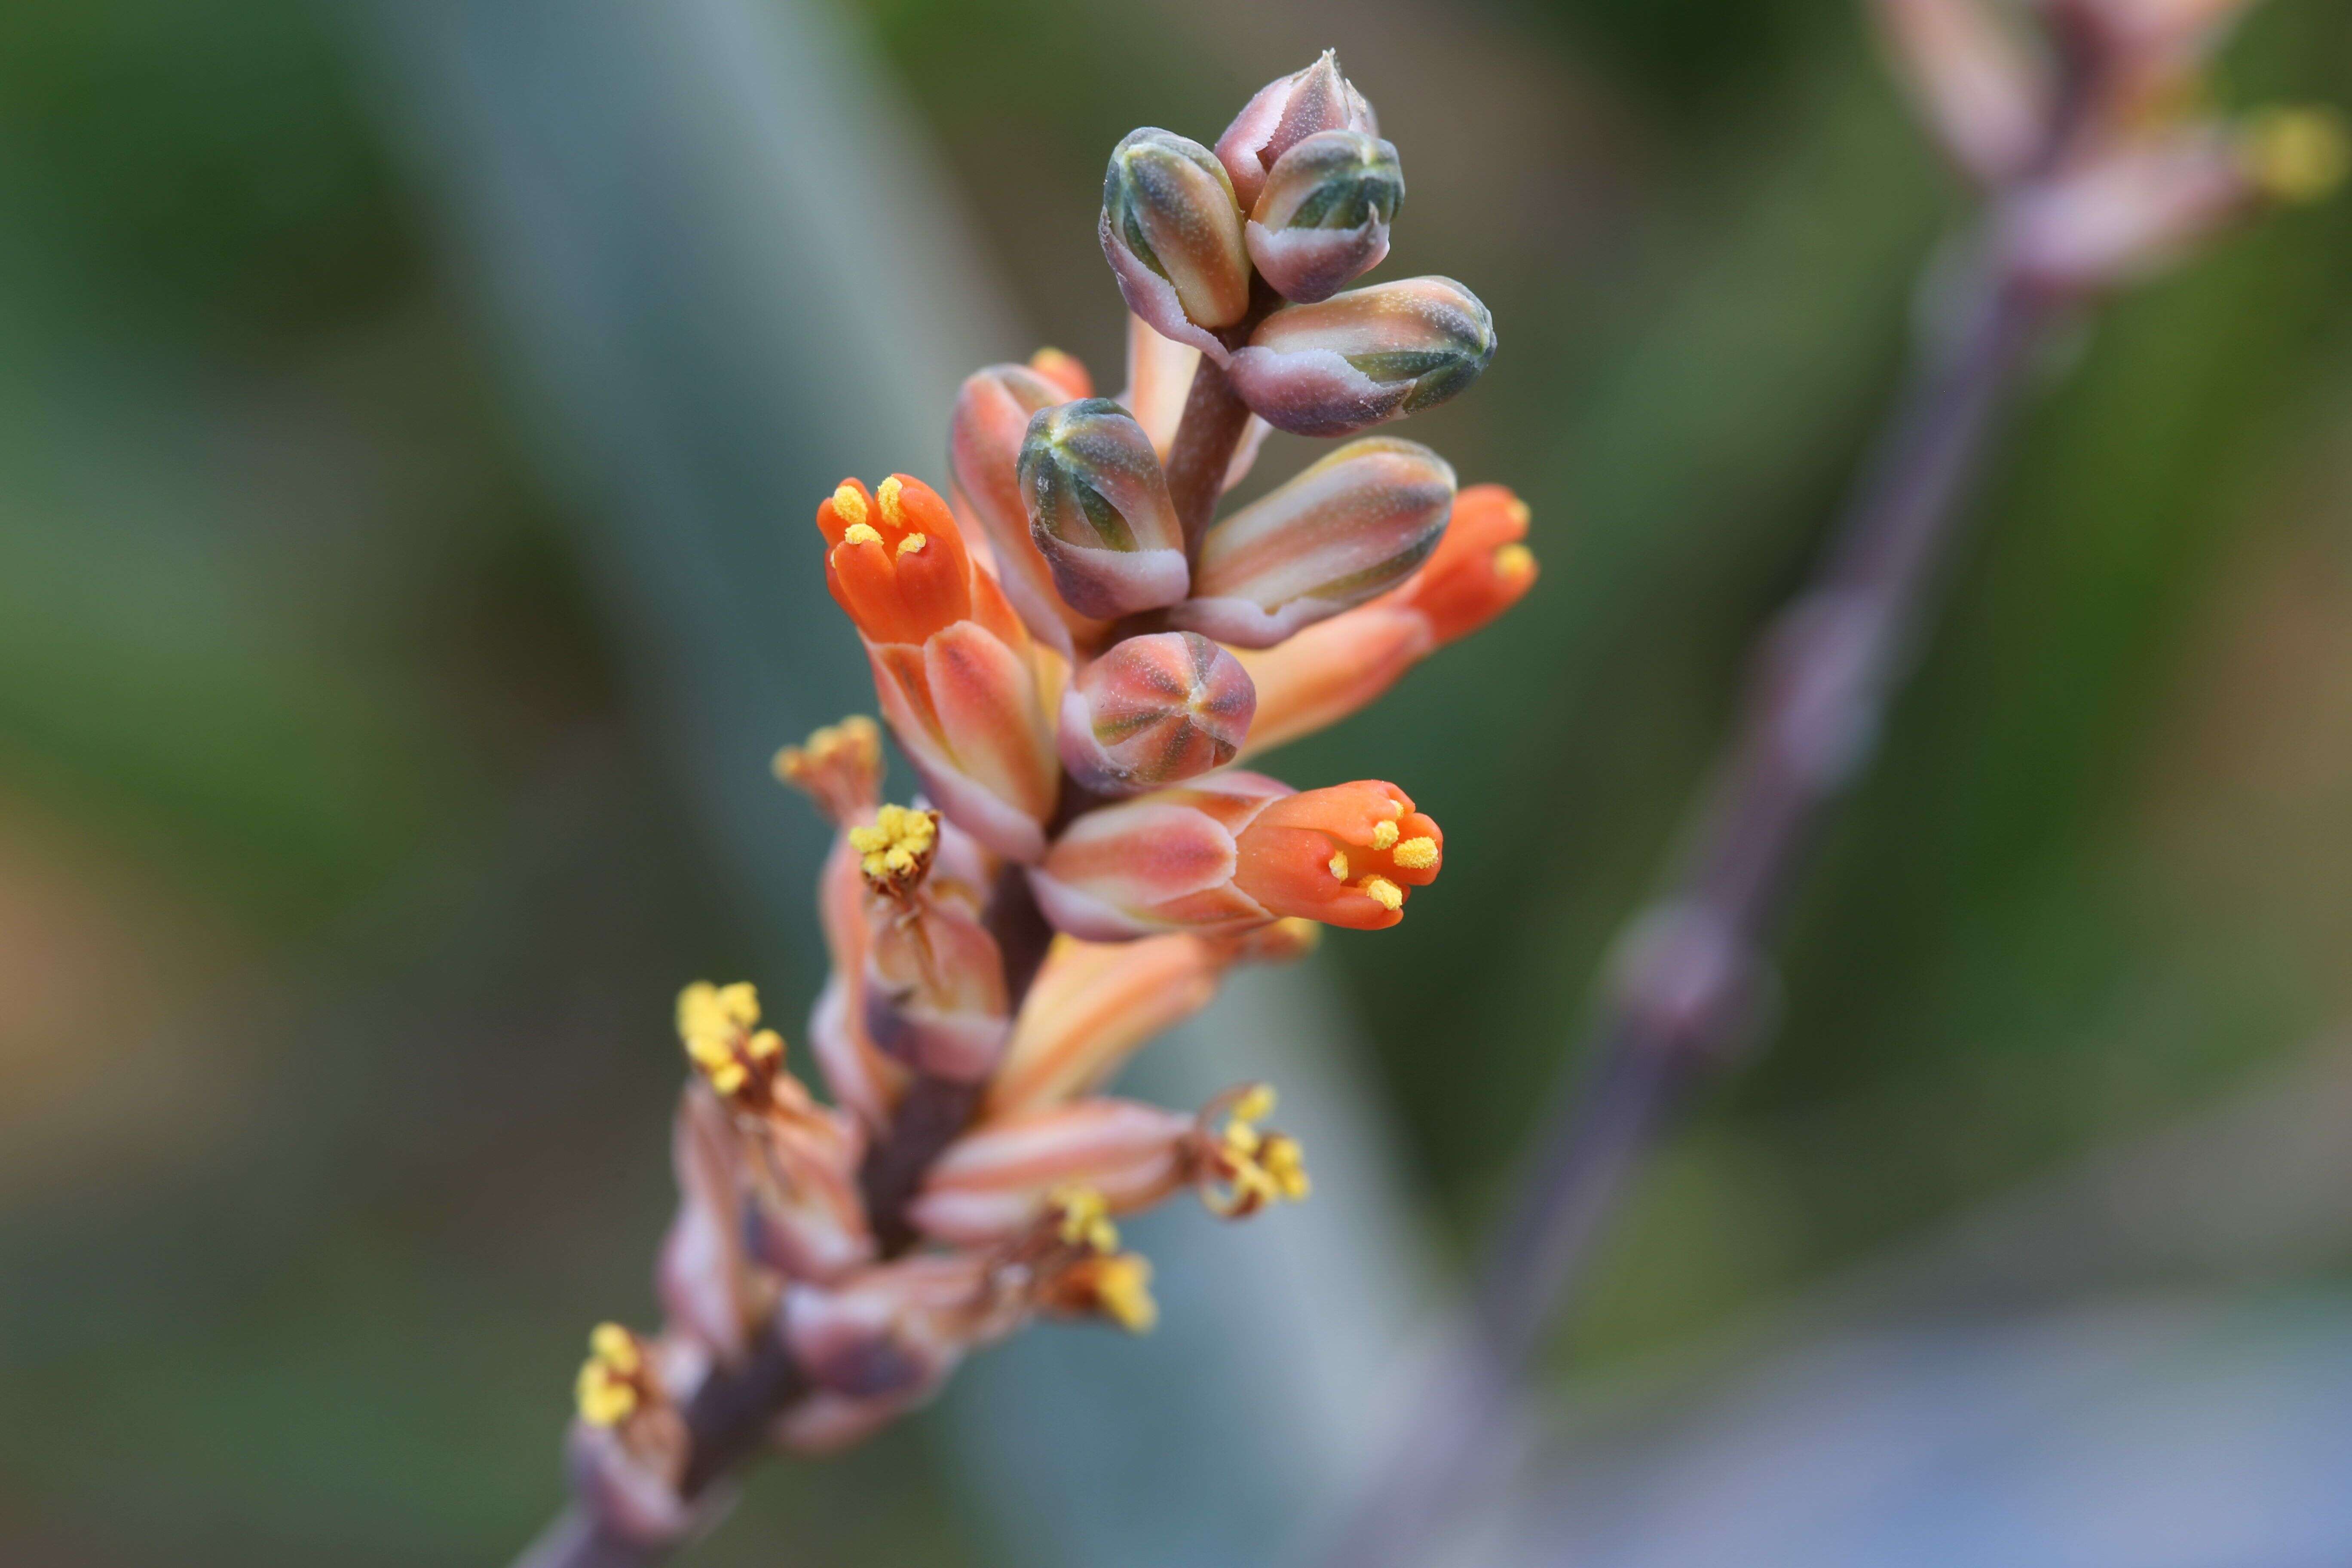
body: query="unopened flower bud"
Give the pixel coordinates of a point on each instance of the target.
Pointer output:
(1370, 355)
(1323, 219)
(992, 416)
(1172, 233)
(1346, 529)
(1154, 711)
(1099, 510)
(1285, 112)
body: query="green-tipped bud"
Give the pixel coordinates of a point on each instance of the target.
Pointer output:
(1098, 509)
(1172, 234)
(1285, 112)
(1370, 355)
(1352, 525)
(1322, 221)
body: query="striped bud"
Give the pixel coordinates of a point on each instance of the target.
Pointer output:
(992, 1183)
(992, 416)
(1285, 112)
(1172, 233)
(1346, 529)
(1323, 219)
(1098, 509)
(1331, 670)
(1370, 355)
(1154, 711)
(1234, 851)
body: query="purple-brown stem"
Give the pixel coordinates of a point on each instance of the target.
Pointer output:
(1684, 985)
(1211, 428)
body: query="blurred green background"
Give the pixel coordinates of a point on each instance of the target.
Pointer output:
(344, 883)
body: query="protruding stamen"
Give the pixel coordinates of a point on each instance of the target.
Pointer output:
(716, 1025)
(861, 533)
(1513, 562)
(895, 850)
(849, 505)
(1384, 834)
(1083, 1219)
(2296, 154)
(1339, 863)
(1247, 1167)
(840, 765)
(1122, 1287)
(912, 544)
(615, 1381)
(1383, 892)
(1414, 854)
(894, 506)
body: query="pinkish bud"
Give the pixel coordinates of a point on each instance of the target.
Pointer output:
(1285, 112)
(1154, 711)
(1172, 233)
(992, 412)
(2126, 210)
(992, 1183)
(1323, 219)
(1983, 91)
(1370, 355)
(1099, 512)
(1353, 524)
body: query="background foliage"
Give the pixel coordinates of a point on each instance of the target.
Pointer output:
(343, 889)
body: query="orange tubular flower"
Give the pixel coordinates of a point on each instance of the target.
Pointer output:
(954, 667)
(1234, 852)
(1332, 668)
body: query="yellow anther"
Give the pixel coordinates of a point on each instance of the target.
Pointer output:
(608, 1390)
(708, 1013)
(1513, 562)
(848, 505)
(1085, 1218)
(912, 543)
(1517, 511)
(1416, 853)
(766, 1046)
(1382, 891)
(1255, 1104)
(861, 533)
(894, 510)
(1286, 1166)
(896, 846)
(1123, 1288)
(1338, 864)
(1383, 835)
(2296, 154)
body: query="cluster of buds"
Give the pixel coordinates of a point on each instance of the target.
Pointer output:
(2087, 121)
(1072, 661)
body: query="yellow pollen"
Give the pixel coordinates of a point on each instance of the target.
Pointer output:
(1517, 511)
(1285, 1166)
(1416, 853)
(1382, 891)
(1383, 835)
(848, 505)
(1338, 864)
(1255, 1104)
(894, 510)
(912, 543)
(2296, 154)
(607, 1390)
(1085, 1219)
(861, 533)
(1513, 562)
(1123, 1286)
(894, 846)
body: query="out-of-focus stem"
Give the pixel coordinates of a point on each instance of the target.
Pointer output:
(1686, 978)
(729, 1415)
